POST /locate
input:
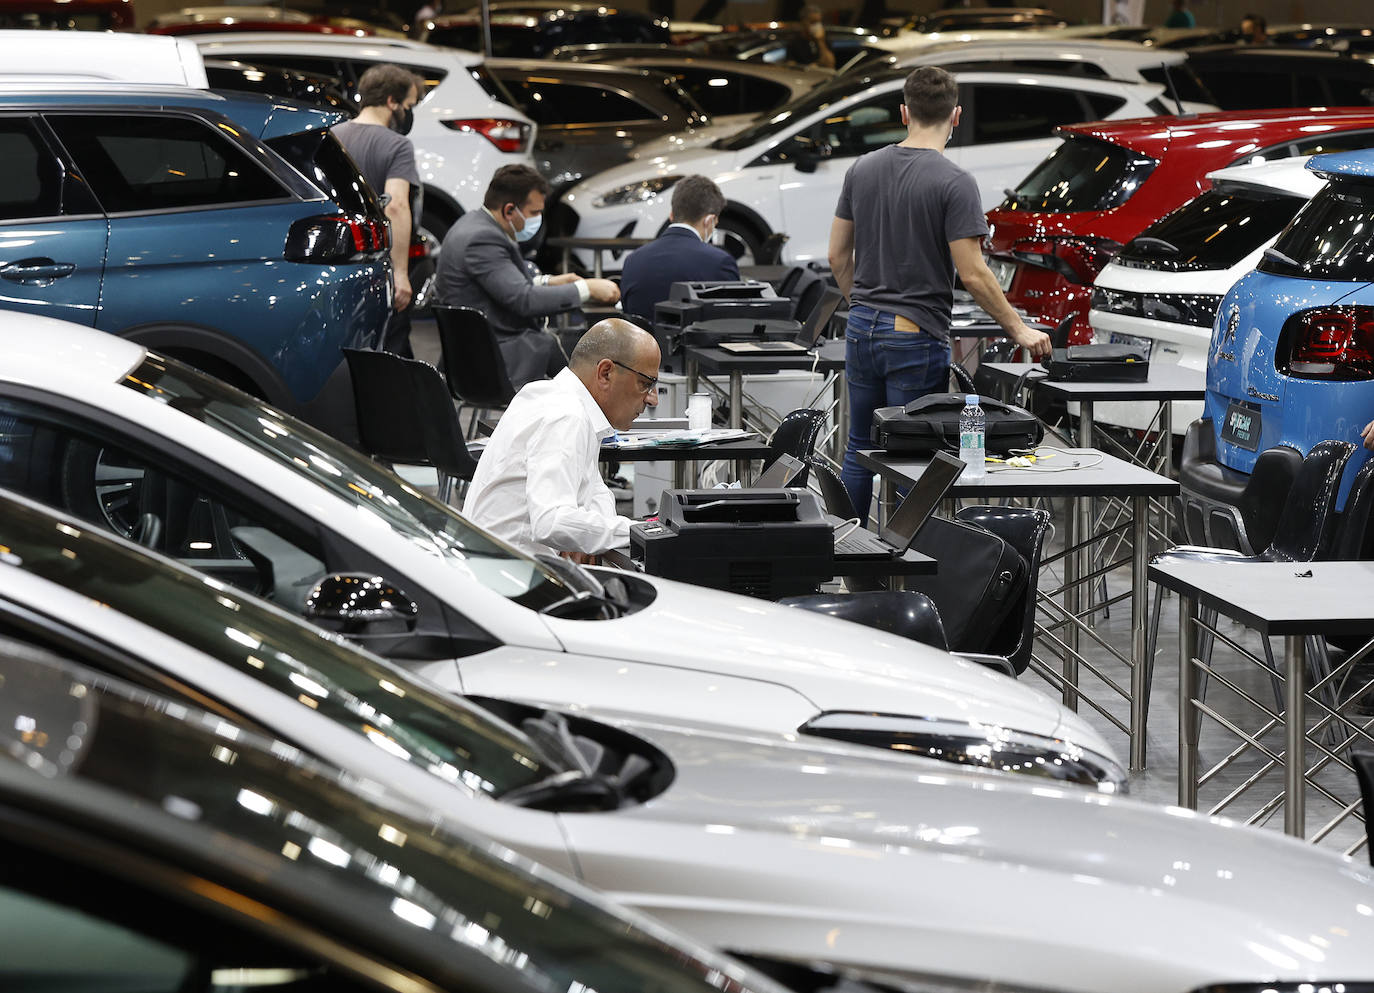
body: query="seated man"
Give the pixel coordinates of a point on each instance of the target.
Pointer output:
(480, 266)
(537, 484)
(681, 253)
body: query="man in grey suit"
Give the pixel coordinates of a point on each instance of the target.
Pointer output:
(480, 266)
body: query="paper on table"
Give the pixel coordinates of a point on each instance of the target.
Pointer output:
(664, 439)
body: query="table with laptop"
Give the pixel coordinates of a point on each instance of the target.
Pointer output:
(1075, 474)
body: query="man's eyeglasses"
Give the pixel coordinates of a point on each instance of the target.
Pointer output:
(649, 384)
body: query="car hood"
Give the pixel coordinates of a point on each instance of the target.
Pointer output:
(707, 161)
(679, 141)
(784, 853)
(836, 665)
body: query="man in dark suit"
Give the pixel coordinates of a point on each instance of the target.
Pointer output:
(480, 266)
(682, 253)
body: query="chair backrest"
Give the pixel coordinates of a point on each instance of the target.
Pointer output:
(807, 294)
(770, 252)
(1308, 521)
(405, 413)
(787, 286)
(472, 360)
(796, 436)
(833, 492)
(1025, 530)
(1352, 538)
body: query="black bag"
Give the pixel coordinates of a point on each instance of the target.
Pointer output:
(931, 423)
(981, 578)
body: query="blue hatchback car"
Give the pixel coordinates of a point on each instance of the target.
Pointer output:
(229, 230)
(1291, 361)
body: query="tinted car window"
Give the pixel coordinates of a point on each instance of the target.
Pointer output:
(33, 177)
(551, 103)
(731, 93)
(1333, 238)
(1082, 174)
(155, 163)
(1212, 231)
(1022, 113)
(1249, 89)
(1186, 84)
(1350, 92)
(322, 160)
(803, 106)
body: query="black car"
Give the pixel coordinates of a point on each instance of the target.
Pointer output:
(770, 44)
(534, 35)
(590, 116)
(1260, 77)
(151, 846)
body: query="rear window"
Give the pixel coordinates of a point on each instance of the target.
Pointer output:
(492, 86)
(1082, 174)
(1186, 84)
(1333, 238)
(322, 160)
(1213, 231)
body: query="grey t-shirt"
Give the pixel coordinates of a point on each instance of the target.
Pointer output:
(907, 205)
(380, 154)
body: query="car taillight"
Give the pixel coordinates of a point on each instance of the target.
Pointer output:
(1330, 343)
(335, 238)
(1078, 258)
(509, 136)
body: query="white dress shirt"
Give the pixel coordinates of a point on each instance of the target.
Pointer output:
(537, 484)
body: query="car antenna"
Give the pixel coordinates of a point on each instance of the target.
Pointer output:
(1173, 90)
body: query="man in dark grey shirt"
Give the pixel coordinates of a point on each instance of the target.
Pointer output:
(907, 218)
(376, 141)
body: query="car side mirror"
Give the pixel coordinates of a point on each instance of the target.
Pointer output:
(806, 161)
(361, 605)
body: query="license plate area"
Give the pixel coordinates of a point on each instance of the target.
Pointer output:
(1241, 427)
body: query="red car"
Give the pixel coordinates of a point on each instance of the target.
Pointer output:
(1108, 181)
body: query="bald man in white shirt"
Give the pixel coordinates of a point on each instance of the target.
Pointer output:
(538, 485)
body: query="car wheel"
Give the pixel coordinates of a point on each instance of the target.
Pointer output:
(103, 485)
(738, 237)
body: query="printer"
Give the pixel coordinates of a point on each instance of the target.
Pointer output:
(733, 308)
(759, 542)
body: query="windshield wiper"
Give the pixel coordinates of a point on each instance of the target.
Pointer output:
(581, 786)
(1275, 255)
(1158, 245)
(587, 599)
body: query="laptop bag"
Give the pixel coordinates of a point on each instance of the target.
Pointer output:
(931, 423)
(980, 580)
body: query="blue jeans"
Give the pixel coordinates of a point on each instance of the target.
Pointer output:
(883, 367)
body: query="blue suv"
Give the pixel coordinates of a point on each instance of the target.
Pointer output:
(229, 230)
(1291, 361)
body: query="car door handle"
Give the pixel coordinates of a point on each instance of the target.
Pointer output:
(36, 272)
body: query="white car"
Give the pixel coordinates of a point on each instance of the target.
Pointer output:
(72, 56)
(464, 127)
(192, 467)
(803, 857)
(783, 173)
(1162, 291)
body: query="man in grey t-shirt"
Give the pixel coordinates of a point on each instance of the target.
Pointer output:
(376, 141)
(907, 218)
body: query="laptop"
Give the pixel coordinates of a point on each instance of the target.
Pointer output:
(779, 474)
(807, 337)
(906, 521)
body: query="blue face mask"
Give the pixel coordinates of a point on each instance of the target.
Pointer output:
(530, 229)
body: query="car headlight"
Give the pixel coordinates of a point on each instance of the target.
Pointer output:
(985, 746)
(1197, 309)
(645, 189)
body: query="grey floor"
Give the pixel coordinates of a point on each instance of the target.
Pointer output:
(1248, 788)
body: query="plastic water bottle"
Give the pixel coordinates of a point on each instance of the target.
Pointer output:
(972, 428)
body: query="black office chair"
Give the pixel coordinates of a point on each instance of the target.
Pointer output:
(796, 435)
(1303, 533)
(472, 362)
(806, 294)
(406, 416)
(770, 252)
(1222, 508)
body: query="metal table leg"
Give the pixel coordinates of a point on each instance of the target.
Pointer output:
(1189, 719)
(841, 415)
(1084, 507)
(736, 399)
(1140, 665)
(1073, 599)
(1295, 737)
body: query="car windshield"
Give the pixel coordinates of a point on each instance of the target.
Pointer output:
(266, 821)
(380, 497)
(447, 737)
(1082, 174)
(1212, 231)
(774, 122)
(1332, 238)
